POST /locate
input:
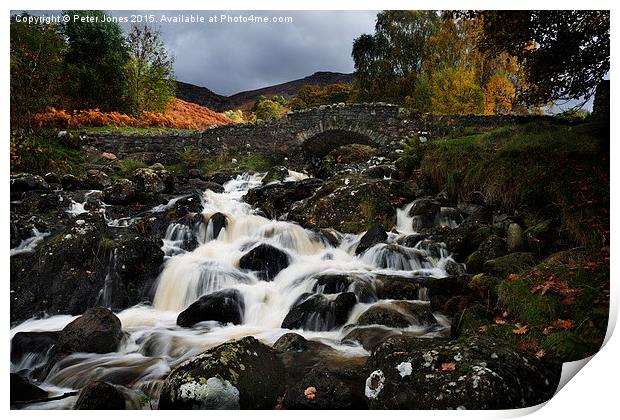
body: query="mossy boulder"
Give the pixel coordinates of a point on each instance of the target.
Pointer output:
(276, 173)
(511, 263)
(152, 181)
(351, 202)
(470, 373)
(100, 395)
(242, 374)
(122, 191)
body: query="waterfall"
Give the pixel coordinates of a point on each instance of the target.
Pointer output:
(154, 343)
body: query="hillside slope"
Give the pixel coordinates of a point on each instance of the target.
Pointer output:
(205, 97)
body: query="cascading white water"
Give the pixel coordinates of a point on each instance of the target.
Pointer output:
(155, 343)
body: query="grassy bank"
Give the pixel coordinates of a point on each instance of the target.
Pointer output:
(541, 166)
(41, 151)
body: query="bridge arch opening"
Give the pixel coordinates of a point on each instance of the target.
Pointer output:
(319, 145)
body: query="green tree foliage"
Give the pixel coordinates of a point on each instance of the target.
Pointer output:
(95, 62)
(36, 68)
(564, 53)
(150, 72)
(388, 62)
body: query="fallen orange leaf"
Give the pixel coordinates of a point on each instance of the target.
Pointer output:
(448, 366)
(520, 330)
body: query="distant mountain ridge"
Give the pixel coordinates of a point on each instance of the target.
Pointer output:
(206, 97)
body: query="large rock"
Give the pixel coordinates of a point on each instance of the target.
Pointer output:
(151, 181)
(97, 331)
(510, 264)
(424, 211)
(375, 234)
(351, 202)
(100, 396)
(266, 260)
(471, 373)
(318, 377)
(28, 182)
(242, 374)
(27, 343)
(276, 199)
(515, 238)
(276, 173)
(22, 390)
(122, 191)
(225, 306)
(398, 314)
(331, 283)
(319, 313)
(96, 180)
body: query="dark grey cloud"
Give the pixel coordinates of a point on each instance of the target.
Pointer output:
(232, 57)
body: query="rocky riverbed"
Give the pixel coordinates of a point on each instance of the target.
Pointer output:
(359, 289)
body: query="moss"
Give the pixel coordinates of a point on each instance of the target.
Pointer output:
(531, 308)
(536, 164)
(126, 167)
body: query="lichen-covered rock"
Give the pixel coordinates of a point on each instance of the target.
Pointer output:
(291, 342)
(96, 180)
(100, 396)
(266, 260)
(471, 373)
(225, 306)
(122, 191)
(350, 202)
(152, 181)
(242, 374)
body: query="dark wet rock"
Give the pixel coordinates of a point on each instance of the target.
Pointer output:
(266, 260)
(411, 241)
(379, 171)
(97, 331)
(218, 222)
(351, 202)
(515, 238)
(397, 287)
(511, 263)
(276, 173)
(96, 180)
(374, 235)
(427, 207)
(51, 178)
(320, 377)
(472, 373)
(222, 176)
(150, 181)
(225, 306)
(475, 212)
(100, 396)
(28, 182)
(291, 342)
(368, 337)
(454, 269)
(277, 199)
(201, 185)
(319, 313)
(22, 390)
(399, 314)
(331, 283)
(331, 236)
(242, 374)
(37, 342)
(71, 182)
(122, 191)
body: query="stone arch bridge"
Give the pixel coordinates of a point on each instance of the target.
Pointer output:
(306, 134)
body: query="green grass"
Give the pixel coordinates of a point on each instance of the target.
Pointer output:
(125, 167)
(41, 151)
(534, 164)
(132, 130)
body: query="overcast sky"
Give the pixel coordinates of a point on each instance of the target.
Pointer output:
(229, 58)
